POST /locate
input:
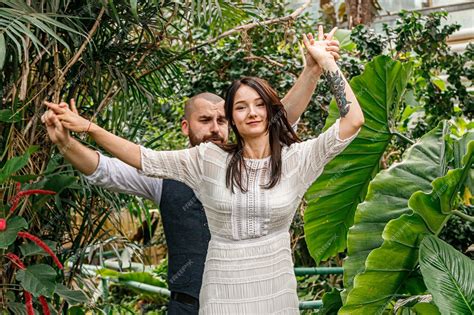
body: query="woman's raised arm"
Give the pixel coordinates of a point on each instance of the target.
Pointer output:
(124, 150)
(352, 117)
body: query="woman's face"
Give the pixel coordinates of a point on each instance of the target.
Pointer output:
(249, 113)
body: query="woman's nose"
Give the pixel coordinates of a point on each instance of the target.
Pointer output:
(252, 111)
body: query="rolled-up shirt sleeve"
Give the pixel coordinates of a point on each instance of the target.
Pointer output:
(115, 175)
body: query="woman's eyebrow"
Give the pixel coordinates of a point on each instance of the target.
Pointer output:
(245, 101)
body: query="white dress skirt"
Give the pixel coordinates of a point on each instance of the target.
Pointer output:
(249, 267)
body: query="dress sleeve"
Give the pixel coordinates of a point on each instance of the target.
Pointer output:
(115, 175)
(182, 165)
(316, 153)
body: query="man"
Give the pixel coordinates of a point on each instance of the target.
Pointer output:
(183, 217)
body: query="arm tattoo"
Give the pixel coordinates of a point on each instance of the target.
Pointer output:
(337, 86)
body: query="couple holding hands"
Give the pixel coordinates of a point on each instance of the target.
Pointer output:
(226, 207)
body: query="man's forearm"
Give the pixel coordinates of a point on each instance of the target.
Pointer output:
(298, 97)
(81, 157)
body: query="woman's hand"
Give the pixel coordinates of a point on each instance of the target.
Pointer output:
(69, 118)
(321, 50)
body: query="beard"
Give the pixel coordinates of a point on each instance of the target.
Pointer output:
(213, 137)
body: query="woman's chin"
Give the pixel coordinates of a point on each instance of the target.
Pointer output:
(255, 133)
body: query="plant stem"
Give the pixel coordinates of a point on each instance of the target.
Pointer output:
(463, 215)
(403, 137)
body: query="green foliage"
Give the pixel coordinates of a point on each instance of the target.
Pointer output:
(70, 296)
(422, 39)
(390, 265)
(9, 235)
(145, 57)
(448, 275)
(38, 279)
(379, 91)
(332, 302)
(15, 164)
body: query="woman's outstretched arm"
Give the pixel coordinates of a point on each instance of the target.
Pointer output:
(124, 150)
(352, 117)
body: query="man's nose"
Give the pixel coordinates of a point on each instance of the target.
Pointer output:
(214, 126)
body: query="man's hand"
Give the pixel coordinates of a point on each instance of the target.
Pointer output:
(56, 131)
(327, 43)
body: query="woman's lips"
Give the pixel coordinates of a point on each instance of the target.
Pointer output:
(253, 123)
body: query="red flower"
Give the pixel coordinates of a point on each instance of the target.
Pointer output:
(28, 303)
(3, 224)
(44, 305)
(16, 199)
(41, 244)
(16, 260)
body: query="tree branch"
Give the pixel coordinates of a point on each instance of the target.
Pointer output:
(237, 29)
(84, 44)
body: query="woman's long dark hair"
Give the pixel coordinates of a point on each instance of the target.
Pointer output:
(279, 129)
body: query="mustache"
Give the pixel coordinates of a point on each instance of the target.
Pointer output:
(214, 137)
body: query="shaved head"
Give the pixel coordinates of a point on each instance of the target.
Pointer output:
(189, 106)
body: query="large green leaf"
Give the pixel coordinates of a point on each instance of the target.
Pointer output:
(15, 164)
(71, 296)
(331, 302)
(449, 276)
(38, 279)
(9, 235)
(31, 249)
(333, 198)
(390, 265)
(387, 197)
(7, 115)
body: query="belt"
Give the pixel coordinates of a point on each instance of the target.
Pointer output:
(184, 298)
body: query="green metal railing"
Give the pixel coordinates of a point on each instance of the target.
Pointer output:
(299, 271)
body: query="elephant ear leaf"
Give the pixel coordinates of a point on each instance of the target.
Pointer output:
(327, 218)
(388, 267)
(387, 198)
(448, 275)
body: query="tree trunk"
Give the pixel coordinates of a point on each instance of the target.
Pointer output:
(361, 11)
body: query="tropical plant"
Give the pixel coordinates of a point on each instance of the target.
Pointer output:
(382, 263)
(124, 63)
(379, 91)
(423, 40)
(368, 196)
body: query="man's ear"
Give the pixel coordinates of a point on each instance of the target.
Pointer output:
(185, 127)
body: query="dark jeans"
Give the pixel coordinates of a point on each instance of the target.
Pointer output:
(178, 308)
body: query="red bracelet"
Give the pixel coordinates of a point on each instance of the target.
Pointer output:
(89, 127)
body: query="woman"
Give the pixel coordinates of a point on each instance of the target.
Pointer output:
(250, 190)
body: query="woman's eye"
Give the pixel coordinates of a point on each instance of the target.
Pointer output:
(260, 105)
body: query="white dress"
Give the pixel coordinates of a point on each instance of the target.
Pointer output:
(249, 267)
